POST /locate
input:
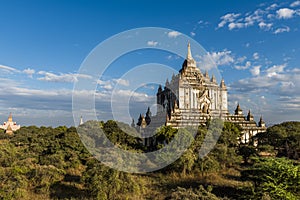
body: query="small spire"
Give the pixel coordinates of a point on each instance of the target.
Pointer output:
(249, 116)
(159, 90)
(261, 119)
(148, 116)
(132, 123)
(10, 117)
(173, 76)
(206, 74)
(261, 122)
(222, 85)
(81, 121)
(167, 82)
(238, 110)
(189, 54)
(140, 119)
(148, 113)
(213, 79)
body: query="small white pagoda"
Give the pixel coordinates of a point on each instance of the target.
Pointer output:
(10, 126)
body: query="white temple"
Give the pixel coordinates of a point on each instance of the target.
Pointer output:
(191, 98)
(10, 126)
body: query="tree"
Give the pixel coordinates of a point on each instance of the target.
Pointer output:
(284, 138)
(165, 134)
(246, 151)
(105, 183)
(279, 178)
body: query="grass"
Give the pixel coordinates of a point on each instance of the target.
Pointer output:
(225, 183)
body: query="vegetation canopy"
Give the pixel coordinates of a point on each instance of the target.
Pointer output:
(52, 163)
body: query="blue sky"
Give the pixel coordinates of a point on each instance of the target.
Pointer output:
(255, 44)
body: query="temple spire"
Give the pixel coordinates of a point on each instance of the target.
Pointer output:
(189, 54)
(222, 84)
(10, 117)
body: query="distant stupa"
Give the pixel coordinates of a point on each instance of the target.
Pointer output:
(81, 121)
(10, 126)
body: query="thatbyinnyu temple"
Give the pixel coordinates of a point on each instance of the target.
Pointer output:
(191, 98)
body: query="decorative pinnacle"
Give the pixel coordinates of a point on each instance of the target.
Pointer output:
(10, 117)
(189, 54)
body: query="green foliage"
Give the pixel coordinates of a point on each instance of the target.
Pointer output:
(99, 134)
(34, 159)
(106, 183)
(279, 178)
(284, 139)
(246, 151)
(13, 182)
(121, 134)
(230, 135)
(193, 194)
(165, 134)
(225, 151)
(43, 176)
(37, 160)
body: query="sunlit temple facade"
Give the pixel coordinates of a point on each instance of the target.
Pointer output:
(191, 98)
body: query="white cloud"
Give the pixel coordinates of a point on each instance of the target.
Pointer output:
(110, 84)
(285, 13)
(265, 18)
(255, 56)
(248, 20)
(246, 66)
(8, 69)
(173, 57)
(282, 30)
(270, 16)
(272, 7)
(275, 69)
(255, 71)
(234, 25)
(230, 17)
(152, 43)
(274, 92)
(295, 4)
(64, 78)
(193, 34)
(121, 82)
(257, 16)
(295, 70)
(211, 59)
(107, 86)
(29, 72)
(125, 94)
(266, 26)
(289, 85)
(46, 102)
(173, 34)
(101, 82)
(241, 59)
(222, 57)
